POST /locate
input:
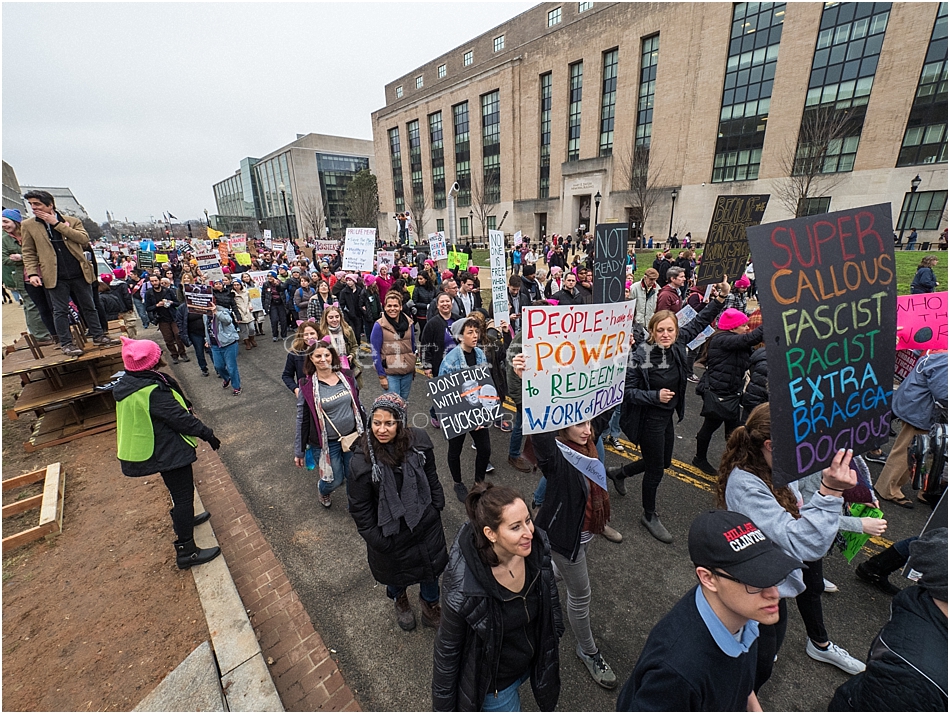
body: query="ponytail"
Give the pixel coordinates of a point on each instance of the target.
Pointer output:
(485, 505)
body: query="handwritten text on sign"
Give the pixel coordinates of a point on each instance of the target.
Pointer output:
(576, 361)
(359, 249)
(922, 321)
(499, 277)
(727, 248)
(828, 299)
(610, 263)
(437, 249)
(465, 400)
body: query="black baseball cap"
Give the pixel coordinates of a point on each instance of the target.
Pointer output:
(730, 541)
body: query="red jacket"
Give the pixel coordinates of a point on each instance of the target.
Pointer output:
(668, 299)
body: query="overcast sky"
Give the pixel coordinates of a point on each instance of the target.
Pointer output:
(140, 107)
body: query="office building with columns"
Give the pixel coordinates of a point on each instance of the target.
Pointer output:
(657, 108)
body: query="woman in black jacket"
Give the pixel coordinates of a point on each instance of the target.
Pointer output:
(396, 500)
(655, 389)
(307, 336)
(422, 294)
(924, 279)
(728, 353)
(757, 390)
(501, 616)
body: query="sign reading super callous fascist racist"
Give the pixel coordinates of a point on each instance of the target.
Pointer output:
(828, 293)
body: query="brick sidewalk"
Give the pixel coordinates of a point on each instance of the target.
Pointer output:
(306, 677)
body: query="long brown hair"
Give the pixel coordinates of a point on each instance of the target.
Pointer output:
(744, 451)
(485, 505)
(394, 453)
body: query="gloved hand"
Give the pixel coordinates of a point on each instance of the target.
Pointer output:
(214, 442)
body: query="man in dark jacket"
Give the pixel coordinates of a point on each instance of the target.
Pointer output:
(757, 390)
(568, 294)
(273, 303)
(161, 301)
(669, 296)
(661, 265)
(907, 664)
(529, 282)
(585, 286)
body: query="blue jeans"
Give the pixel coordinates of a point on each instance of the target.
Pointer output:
(198, 342)
(507, 700)
(601, 454)
(429, 591)
(340, 461)
(614, 428)
(540, 491)
(401, 384)
(142, 312)
(225, 362)
(514, 443)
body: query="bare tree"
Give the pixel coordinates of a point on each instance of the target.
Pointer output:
(808, 166)
(313, 215)
(485, 195)
(641, 181)
(419, 207)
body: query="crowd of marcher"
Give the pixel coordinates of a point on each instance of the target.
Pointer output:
(492, 594)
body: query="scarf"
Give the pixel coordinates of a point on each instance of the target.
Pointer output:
(400, 325)
(325, 468)
(597, 511)
(339, 341)
(393, 505)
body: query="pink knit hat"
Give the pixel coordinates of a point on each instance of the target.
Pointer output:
(731, 319)
(105, 278)
(119, 273)
(369, 279)
(743, 282)
(140, 354)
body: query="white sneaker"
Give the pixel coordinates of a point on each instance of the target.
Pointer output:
(835, 655)
(830, 587)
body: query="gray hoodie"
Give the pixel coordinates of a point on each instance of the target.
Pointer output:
(807, 538)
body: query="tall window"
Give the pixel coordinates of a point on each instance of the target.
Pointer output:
(441, 71)
(491, 148)
(574, 111)
(395, 157)
(419, 82)
(554, 17)
(399, 92)
(491, 222)
(608, 102)
(437, 152)
(463, 154)
(846, 53)
(335, 174)
(925, 140)
(649, 57)
(923, 210)
(463, 226)
(544, 181)
(440, 224)
(468, 58)
(747, 90)
(415, 163)
(499, 43)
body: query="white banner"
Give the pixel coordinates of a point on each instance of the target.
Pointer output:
(386, 256)
(437, 248)
(518, 238)
(499, 277)
(267, 234)
(576, 362)
(210, 266)
(238, 242)
(326, 247)
(358, 250)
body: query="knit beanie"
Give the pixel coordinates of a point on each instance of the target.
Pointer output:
(140, 354)
(743, 282)
(13, 214)
(119, 273)
(928, 555)
(105, 278)
(731, 319)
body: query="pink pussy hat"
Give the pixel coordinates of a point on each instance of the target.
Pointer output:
(140, 354)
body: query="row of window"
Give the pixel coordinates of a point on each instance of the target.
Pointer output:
(498, 44)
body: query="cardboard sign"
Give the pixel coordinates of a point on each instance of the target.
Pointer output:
(326, 247)
(256, 298)
(828, 294)
(465, 400)
(358, 250)
(922, 321)
(576, 361)
(437, 248)
(242, 258)
(161, 257)
(267, 236)
(387, 257)
(199, 298)
(210, 266)
(144, 259)
(499, 276)
(517, 237)
(457, 260)
(239, 242)
(610, 263)
(277, 246)
(727, 249)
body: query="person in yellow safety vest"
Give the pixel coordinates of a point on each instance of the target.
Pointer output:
(157, 433)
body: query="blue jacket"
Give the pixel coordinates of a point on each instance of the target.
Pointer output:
(227, 332)
(927, 383)
(924, 281)
(454, 361)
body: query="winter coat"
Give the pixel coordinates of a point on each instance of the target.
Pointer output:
(242, 307)
(12, 269)
(924, 281)
(564, 297)
(531, 286)
(409, 556)
(371, 307)
(422, 295)
(350, 302)
(727, 359)
(111, 305)
(907, 663)
(268, 300)
(293, 370)
(302, 299)
(737, 301)
(39, 255)
(155, 428)
(161, 313)
(467, 645)
(224, 322)
(914, 400)
(121, 290)
(669, 299)
(757, 390)
(645, 302)
(182, 319)
(512, 379)
(454, 360)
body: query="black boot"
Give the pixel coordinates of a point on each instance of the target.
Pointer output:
(617, 476)
(199, 517)
(875, 570)
(190, 554)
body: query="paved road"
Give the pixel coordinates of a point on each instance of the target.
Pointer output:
(634, 583)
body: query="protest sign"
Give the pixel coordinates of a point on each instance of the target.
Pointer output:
(685, 315)
(242, 258)
(828, 299)
(210, 266)
(259, 277)
(576, 361)
(144, 259)
(223, 251)
(267, 235)
(277, 246)
(518, 238)
(610, 263)
(922, 321)
(358, 250)
(457, 260)
(465, 400)
(727, 249)
(904, 362)
(437, 249)
(701, 337)
(291, 252)
(199, 298)
(387, 257)
(161, 257)
(326, 247)
(855, 541)
(238, 242)
(499, 277)
(256, 298)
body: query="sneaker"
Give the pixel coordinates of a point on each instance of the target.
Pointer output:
(880, 458)
(830, 587)
(704, 466)
(70, 350)
(461, 491)
(505, 426)
(599, 670)
(227, 383)
(693, 378)
(473, 446)
(204, 373)
(615, 443)
(174, 360)
(612, 535)
(489, 468)
(236, 392)
(104, 340)
(324, 500)
(835, 655)
(434, 423)
(184, 358)
(275, 339)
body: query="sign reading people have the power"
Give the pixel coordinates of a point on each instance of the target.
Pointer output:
(828, 295)
(575, 362)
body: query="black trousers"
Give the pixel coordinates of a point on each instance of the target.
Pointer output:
(278, 320)
(809, 602)
(180, 483)
(770, 642)
(656, 446)
(710, 426)
(482, 454)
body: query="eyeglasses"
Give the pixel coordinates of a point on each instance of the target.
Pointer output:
(748, 588)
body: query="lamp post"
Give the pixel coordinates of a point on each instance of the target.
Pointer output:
(471, 226)
(283, 196)
(672, 208)
(597, 198)
(914, 185)
(207, 221)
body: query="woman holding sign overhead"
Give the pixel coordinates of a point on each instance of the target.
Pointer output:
(654, 390)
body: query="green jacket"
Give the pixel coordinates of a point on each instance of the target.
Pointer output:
(12, 270)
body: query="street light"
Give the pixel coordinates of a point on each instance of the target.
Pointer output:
(672, 208)
(914, 185)
(283, 196)
(471, 226)
(597, 198)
